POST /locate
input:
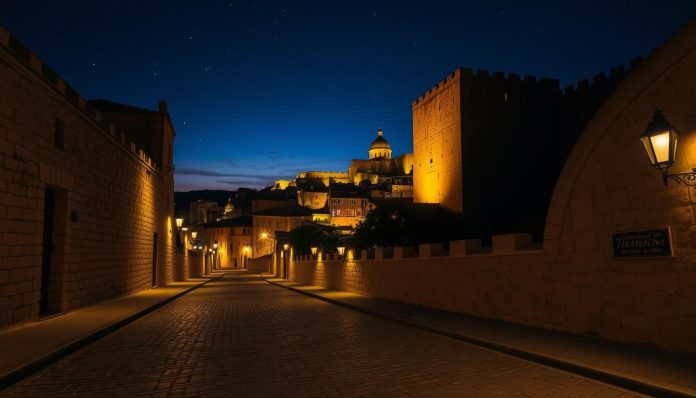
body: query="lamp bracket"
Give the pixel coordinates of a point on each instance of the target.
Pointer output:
(686, 178)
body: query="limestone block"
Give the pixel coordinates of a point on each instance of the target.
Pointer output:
(510, 243)
(464, 247)
(427, 250)
(401, 252)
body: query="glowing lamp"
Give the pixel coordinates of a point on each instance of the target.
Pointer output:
(341, 250)
(247, 248)
(179, 222)
(194, 234)
(314, 250)
(215, 245)
(660, 141)
(264, 235)
(286, 246)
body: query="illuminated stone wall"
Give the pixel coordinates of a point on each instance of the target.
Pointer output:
(436, 132)
(111, 198)
(574, 284)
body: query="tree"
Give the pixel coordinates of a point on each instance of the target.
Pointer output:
(397, 223)
(304, 237)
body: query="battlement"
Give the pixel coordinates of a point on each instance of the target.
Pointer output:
(24, 56)
(600, 80)
(485, 75)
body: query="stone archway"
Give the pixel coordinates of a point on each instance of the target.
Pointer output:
(608, 185)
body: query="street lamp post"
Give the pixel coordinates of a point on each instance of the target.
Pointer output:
(286, 261)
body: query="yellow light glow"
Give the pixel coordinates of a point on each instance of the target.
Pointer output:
(286, 246)
(215, 245)
(264, 235)
(194, 234)
(341, 250)
(314, 250)
(247, 248)
(660, 143)
(179, 222)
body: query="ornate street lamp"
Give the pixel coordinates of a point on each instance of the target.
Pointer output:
(314, 250)
(179, 223)
(194, 234)
(660, 142)
(341, 250)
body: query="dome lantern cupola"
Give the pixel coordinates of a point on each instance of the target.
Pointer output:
(380, 148)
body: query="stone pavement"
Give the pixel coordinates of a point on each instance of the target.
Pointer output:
(642, 369)
(240, 336)
(25, 349)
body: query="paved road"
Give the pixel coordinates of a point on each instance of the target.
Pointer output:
(241, 337)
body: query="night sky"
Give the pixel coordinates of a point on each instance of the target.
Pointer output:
(259, 90)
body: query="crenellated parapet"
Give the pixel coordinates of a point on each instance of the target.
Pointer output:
(502, 245)
(24, 56)
(506, 80)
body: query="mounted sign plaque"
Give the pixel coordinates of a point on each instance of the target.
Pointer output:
(644, 243)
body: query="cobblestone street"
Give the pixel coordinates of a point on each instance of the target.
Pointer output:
(239, 336)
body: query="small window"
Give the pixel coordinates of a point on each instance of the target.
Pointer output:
(333, 212)
(338, 212)
(59, 135)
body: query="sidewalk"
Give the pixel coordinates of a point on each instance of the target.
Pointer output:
(639, 369)
(28, 348)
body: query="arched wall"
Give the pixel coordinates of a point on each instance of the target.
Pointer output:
(608, 185)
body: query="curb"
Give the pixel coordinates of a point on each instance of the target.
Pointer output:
(18, 374)
(603, 376)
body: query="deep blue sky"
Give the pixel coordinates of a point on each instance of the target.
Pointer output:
(259, 90)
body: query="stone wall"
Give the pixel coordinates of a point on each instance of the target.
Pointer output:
(574, 284)
(112, 202)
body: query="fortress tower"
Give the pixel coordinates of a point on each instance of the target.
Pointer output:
(492, 146)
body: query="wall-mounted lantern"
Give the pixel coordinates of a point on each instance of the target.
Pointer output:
(341, 250)
(264, 235)
(314, 250)
(179, 223)
(286, 246)
(660, 142)
(194, 234)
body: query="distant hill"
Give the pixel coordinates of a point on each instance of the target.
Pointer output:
(241, 198)
(182, 199)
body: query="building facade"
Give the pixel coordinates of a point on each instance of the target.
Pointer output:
(86, 214)
(231, 242)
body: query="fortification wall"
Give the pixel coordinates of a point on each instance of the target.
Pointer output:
(575, 284)
(111, 200)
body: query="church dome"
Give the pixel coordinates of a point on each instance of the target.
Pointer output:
(380, 142)
(229, 207)
(380, 147)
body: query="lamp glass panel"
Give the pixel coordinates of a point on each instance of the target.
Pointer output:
(179, 222)
(661, 146)
(648, 149)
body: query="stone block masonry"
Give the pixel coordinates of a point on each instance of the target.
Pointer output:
(85, 215)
